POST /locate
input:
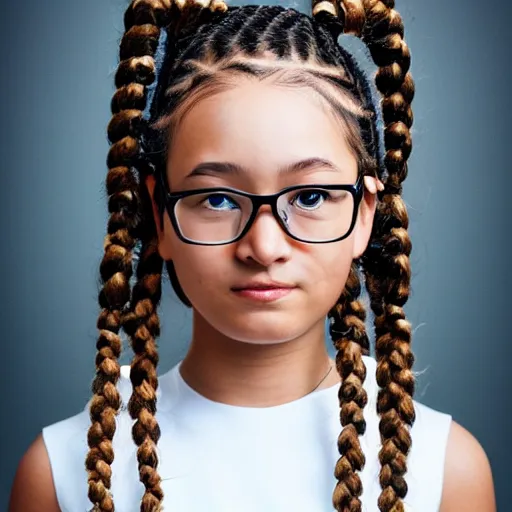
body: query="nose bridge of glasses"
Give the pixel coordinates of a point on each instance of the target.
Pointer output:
(265, 204)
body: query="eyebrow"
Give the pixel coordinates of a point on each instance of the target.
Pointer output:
(230, 168)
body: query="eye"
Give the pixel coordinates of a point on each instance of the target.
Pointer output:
(220, 202)
(310, 199)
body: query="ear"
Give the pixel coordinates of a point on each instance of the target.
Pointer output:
(164, 244)
(366, 215)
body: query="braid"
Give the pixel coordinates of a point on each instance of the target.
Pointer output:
(354, 17)
(348, 315)
(388, 269)
(143, 327)
(348, 320)
(116, 266)
(204, 45)
(386, 261)
(135, 71)
(143, 20)
(394, 356)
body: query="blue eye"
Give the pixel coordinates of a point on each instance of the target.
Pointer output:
(220, 202)
(310, 199)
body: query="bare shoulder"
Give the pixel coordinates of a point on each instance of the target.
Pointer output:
(33, 488)
(468, 483)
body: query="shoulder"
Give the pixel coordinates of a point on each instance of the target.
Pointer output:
(51, 475)
(33, 489)
(468, 483)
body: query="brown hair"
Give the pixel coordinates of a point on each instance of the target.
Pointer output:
(207, 48)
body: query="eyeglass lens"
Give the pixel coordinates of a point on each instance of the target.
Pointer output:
(313, 214)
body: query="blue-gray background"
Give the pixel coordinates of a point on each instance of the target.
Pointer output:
(57, 81)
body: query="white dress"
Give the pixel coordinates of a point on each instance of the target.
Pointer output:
(222, 458)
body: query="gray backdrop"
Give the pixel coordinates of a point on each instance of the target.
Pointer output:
(57, 81)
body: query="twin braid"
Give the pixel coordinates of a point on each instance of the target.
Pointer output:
(385, 263)
(143, 22)
(387, 271)
(348, 320)
(135, 71)
(136, 312)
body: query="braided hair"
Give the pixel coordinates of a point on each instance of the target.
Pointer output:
(170, 53)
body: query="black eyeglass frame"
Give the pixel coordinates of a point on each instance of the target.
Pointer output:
(171, 198)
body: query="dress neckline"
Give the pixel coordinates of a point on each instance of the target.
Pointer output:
(172, 388)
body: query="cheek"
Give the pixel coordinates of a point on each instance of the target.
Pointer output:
(200, 269)
(330, 272)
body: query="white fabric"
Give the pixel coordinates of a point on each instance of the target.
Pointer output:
(224, 458)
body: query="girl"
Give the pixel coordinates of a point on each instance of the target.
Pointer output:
(250, 155)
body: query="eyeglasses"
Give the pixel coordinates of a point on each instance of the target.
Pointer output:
(308, 213)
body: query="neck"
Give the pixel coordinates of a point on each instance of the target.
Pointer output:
(256, 374)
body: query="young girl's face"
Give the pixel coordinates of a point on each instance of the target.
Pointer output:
(262, 128)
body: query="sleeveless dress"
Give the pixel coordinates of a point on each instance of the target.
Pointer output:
(222, 458)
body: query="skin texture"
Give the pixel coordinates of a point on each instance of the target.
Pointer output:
(33, 489)
(468, 483)
(258, 355)
(242, 352)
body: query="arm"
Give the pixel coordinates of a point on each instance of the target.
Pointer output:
(468, 483)
(33, 488)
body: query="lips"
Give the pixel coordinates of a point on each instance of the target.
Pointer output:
(262, 285)
(262, 295)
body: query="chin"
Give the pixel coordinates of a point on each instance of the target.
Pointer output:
(268, 328)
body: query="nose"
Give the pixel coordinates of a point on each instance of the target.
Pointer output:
(265, 242)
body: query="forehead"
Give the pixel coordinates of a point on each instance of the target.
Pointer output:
(259, 126)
